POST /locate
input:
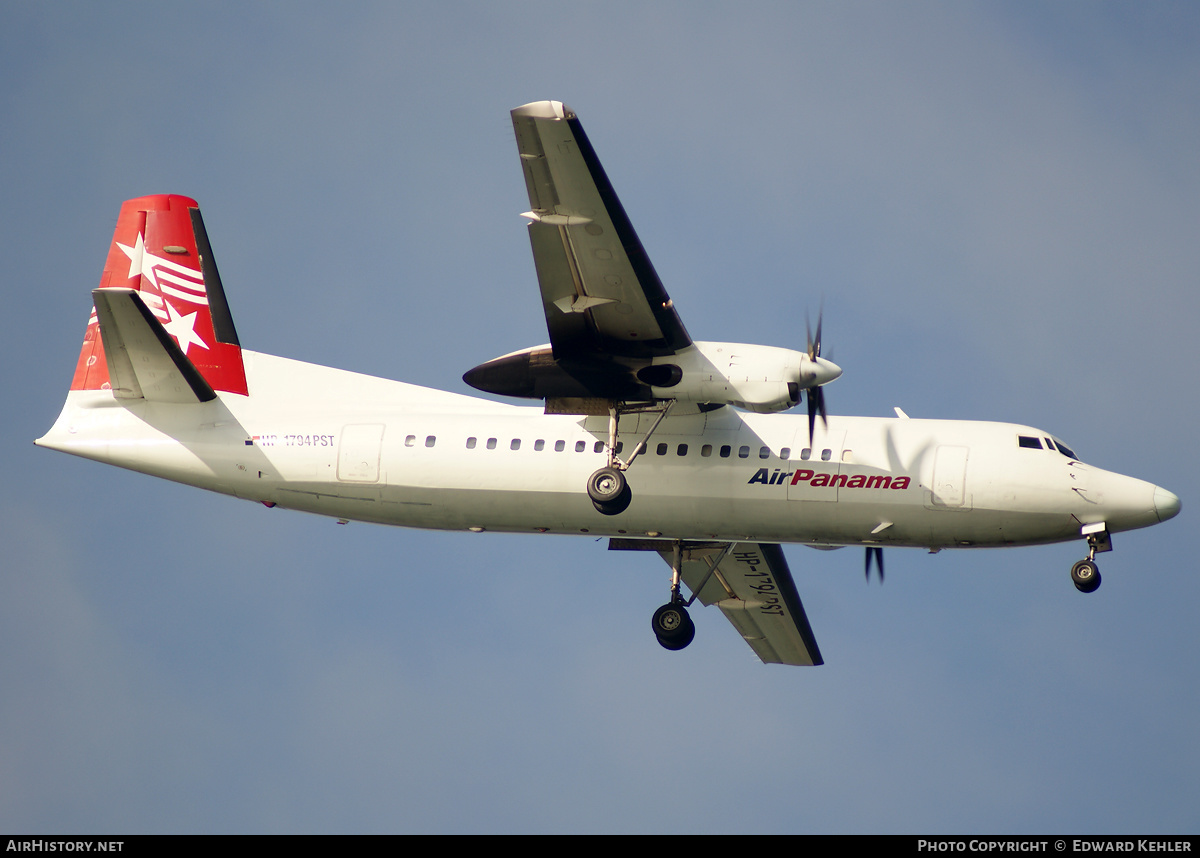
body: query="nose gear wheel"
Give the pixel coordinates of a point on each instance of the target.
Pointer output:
(1086, 576)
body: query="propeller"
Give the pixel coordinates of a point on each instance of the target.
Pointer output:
(875, 551)
(824, 372)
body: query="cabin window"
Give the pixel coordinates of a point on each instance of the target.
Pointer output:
(785, 453)
(743, 452)
(725, 451)
(430, 440)
(491, 444)
(515, 444)
(539, 444)
(661, 449)
(580, 446)
(847, 455)
(764, 452)
(410, 441)
(620, 447)
(1029, 441)
(706, 450)
(470, 443)
(682, 451)
(826, 454)
(806, 453)
(598, 447)
(559, 446)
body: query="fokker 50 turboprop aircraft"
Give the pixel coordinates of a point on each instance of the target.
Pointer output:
(659, 442)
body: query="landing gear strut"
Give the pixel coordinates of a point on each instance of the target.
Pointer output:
(607, 487)
(1085, 574)
(671, 623)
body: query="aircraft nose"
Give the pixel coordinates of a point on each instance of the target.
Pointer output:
(1166, 504)
(1127, 503)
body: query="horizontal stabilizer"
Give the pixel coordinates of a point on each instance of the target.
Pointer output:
(144, 361)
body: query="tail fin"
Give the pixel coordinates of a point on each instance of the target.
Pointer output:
(161, 251)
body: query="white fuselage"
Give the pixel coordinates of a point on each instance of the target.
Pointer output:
(367, 449)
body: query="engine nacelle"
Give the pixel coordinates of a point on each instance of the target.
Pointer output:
(764, 379)
(758, 378)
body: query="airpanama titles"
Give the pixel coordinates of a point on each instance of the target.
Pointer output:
(820, 478)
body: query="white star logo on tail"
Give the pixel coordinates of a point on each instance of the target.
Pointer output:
(167, 277)
(182, 328)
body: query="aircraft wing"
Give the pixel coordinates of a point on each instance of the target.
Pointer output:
(751, 583)
(601, 295)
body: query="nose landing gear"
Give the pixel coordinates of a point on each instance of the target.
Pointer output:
(1085, 574)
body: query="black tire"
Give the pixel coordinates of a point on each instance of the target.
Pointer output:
(682, 637)
(606, 486)
(1085, 575)
(676, 645)
(600, 489)
(672, 624)
(616, 507)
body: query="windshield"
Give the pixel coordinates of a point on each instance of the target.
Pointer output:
(1065, 450)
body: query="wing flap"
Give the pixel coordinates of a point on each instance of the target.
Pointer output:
(144, 362)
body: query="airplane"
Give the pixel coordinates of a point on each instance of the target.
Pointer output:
(645, 436)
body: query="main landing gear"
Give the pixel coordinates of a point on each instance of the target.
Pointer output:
(607, 487)
(671, 623)
(1085, 574)
(609, 491)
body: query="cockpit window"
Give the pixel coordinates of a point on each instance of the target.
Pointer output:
(1034, 443)
(1065, 450)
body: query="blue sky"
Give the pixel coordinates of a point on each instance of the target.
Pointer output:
(998, 204)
